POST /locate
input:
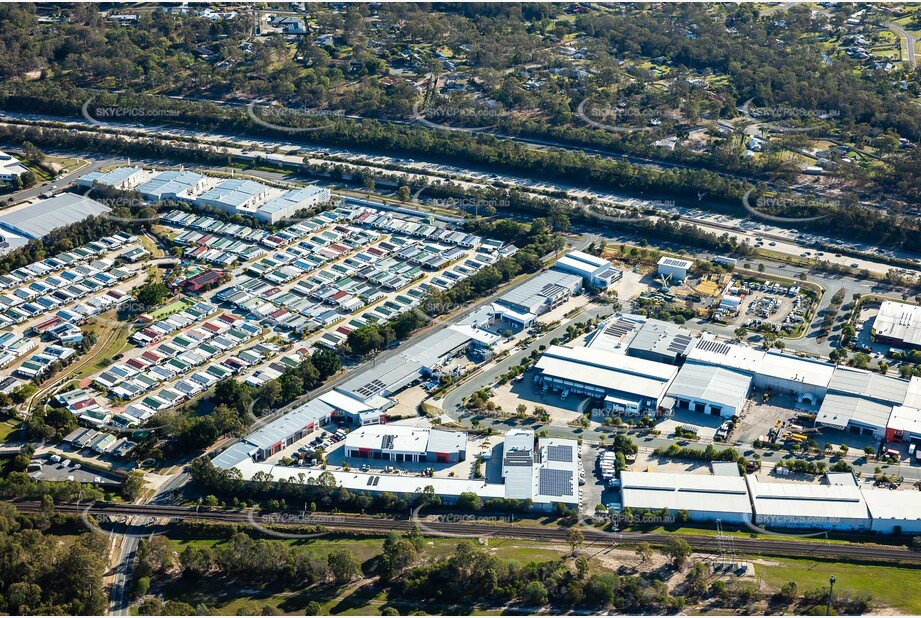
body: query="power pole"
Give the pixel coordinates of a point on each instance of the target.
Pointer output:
(831, 588)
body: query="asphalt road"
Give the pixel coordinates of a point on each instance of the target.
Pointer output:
(909, 39)
(62, 181)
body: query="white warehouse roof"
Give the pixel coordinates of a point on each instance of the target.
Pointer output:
(691, 492)
(608, 370)
(712, 352)
(807, 505)
(899, 321)
(711, 384)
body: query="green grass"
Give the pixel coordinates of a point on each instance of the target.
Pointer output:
(171, 308)
(354, 599)
(892, 586)
(7, 428)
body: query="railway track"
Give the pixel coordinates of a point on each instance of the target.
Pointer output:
(750, 547)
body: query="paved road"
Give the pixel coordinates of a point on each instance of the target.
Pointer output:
(909, 39)
(95, 164)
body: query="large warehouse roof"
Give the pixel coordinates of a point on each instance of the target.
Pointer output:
(294, 199)
(378, 483)
(662, 339)
(406, 439)
(691, 492)
(532, 294)
(839, 409)
(39, 219)
(889, 504)
(803, 370)
(712, 352)
(616, 332)
(711, 384)
(608, 370)
(403, 368)
(170, 183)
(899, 321)
(789, 504)
(869, 385)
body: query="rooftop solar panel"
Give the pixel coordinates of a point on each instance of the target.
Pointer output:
(559, 452)
(555, 482)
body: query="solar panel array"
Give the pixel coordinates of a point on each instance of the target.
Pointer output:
(519, 458)
(559, 452)
(371, 388)
(708, 345)
(674, 262)
(679, 343)
(620, 327)
(555, 482)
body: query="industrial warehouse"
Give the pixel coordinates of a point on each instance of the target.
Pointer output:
(837, 504)
(36, 220)
(543, 472)
(233, 196)
(636, 365)
(898, 325)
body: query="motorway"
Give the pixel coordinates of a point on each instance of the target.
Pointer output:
(862, 550)
(744, 230)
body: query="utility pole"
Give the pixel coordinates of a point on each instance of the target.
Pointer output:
(831, 588)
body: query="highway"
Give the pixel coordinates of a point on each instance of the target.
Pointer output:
(862, 550)
(417, 172)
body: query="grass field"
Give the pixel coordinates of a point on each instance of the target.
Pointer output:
(7, 428)
(358, 598)
(890, 586)
(171, 308)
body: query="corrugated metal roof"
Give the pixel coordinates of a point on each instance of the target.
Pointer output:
(41, 218)
(711, 384)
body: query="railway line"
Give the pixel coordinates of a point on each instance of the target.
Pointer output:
(867, 552)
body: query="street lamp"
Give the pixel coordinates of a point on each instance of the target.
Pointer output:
(831, 588)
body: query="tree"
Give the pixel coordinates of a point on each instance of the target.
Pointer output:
(677, 550)
(575, 538)
(149, 295)
(343, 566)
(534, 594)
(133, 485)
(326, 361)
(312, 609)
(644, 551)
(403, 193)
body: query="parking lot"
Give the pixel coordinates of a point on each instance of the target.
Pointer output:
(562, 411)
(56, 468)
